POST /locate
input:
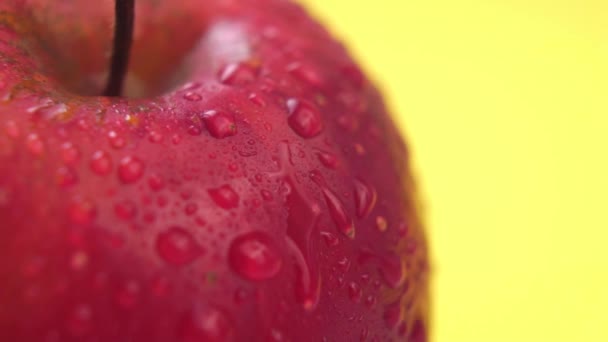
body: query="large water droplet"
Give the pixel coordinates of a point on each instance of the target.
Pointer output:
(304, 118)
(130, 169)
(255, 256)
(177, 246)
(205, 324)
(225, 197)
(336, 209)
(101, 163)
(365, 198)
(238, 74)
(219, 124)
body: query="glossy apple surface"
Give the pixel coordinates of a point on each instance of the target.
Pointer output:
(250, 187)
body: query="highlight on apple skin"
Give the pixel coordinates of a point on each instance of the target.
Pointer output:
(246, 184)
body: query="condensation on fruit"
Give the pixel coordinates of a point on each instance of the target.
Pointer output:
(177, 246)
(130, 169)
(220, 124)
(101, 163)
(224, 196)
(255, 256)
(304, 118)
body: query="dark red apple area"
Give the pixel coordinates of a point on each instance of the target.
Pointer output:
(244, 182)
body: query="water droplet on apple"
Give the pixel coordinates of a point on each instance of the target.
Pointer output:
(155, 137)
(370, 301)
(192, 96)
(257, 100)
(205, 324)
(125, 210)
(194, 130)
(66, 176)
(276, 335)
(130, 169)
(128, 293)
(381, 223)
(348, 123)
(255, 256)
(116, 141)
(360, 149)
(69, 153)
(306, 73)
(336, 209)
(176, 139)
(224, 196)
(365, 198)
(329, 160)
(34, 144)
(11, 129)
(330, 239)
(354, 292)
(190, 209)
(304, 118)
(238, 74)
(391, 267)
(81, 211)
(266, 195)
(344, 264)
(308, 285)
(219, 124)
(80, 320)
(303, 215)
(101, 163)
(79, 260)
(177, 246)
(156, 182)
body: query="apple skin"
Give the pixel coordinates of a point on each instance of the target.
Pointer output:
(252, 187)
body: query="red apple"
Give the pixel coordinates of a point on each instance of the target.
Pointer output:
(248, 185)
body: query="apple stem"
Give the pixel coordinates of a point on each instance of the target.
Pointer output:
(123, 39)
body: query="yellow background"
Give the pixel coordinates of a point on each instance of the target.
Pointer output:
(505, 103)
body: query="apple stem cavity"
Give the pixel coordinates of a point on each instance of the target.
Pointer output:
(123, 39)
